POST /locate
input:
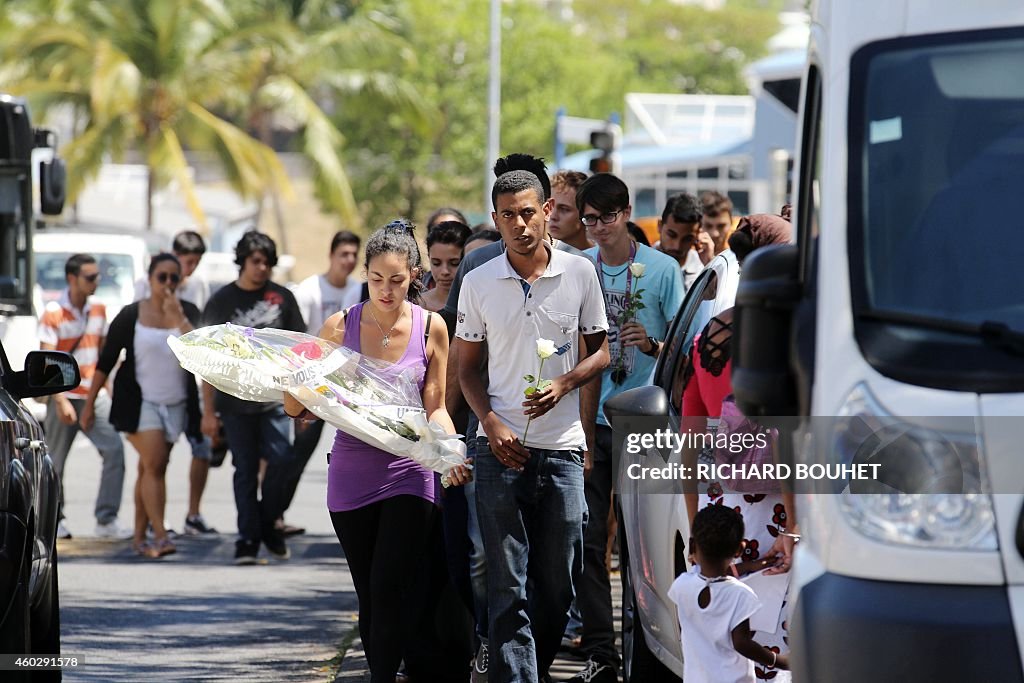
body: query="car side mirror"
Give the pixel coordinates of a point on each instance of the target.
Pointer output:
(45, 373)
(648, 401)
(639, 410)
(769, 291)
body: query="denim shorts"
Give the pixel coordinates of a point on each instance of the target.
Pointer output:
(170, 419)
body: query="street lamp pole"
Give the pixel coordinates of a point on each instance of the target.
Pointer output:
(493, 103)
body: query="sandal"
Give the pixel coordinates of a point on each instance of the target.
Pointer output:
(165, 546)
(146, 549)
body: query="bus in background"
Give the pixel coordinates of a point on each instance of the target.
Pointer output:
(22, 146)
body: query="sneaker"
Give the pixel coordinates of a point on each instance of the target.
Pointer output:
(197, 526)
(595, 672)
(113, 531)
(63, 531)
(480, 664)
(246, 552)
(276, 546)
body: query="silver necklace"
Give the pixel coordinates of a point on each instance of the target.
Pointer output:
(385, 340)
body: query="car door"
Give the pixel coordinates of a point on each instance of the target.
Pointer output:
(654, 513)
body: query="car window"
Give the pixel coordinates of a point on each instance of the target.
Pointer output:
(705, 299)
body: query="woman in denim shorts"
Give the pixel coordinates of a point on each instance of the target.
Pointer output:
(154, 400)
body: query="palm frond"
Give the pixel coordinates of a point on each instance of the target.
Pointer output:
(321, 142)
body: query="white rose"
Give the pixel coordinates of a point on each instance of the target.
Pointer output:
(545, 348)
(637, 269)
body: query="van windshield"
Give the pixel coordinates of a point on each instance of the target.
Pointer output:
(936, 227)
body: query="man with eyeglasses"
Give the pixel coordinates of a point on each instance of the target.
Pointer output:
(629, 273)
(77, 323)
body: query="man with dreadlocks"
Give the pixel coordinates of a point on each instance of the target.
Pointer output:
(529, 303)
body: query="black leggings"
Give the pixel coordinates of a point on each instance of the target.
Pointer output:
(385, 544)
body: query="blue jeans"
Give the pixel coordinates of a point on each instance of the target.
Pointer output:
(532, 528)
(107, 441)
(250, 438)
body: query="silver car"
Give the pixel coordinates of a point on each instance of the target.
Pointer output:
(653, 526)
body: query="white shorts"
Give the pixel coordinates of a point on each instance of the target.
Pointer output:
(170, 419)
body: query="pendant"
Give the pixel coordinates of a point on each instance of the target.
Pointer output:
(385, 341)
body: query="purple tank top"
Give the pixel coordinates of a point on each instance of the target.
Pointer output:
(360, 474)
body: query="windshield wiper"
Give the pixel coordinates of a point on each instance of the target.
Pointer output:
(992, 333)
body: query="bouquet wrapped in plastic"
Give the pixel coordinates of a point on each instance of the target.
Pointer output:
(361, 396)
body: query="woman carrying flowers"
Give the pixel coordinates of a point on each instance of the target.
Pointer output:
(383, 506)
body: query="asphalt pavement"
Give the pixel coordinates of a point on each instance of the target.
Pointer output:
(193, 615)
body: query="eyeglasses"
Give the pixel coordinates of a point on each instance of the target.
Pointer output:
(164, 277)
(91, 278)
(606, 218)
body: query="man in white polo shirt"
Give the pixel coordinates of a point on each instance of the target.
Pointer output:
(529, 495)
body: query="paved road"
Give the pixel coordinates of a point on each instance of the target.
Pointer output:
(194, 615)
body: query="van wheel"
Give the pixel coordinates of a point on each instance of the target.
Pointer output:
(14, 631)
(639, 665)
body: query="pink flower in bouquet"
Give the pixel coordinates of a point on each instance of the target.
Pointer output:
(308, 349)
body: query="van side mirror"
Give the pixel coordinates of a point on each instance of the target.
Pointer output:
(45, 373)
(766, 300)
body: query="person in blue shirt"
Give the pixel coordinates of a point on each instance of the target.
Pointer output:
(643, 289)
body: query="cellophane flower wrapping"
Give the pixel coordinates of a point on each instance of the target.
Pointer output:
(361, 396)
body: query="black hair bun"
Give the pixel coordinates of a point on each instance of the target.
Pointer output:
(402, 225)
(524, 162)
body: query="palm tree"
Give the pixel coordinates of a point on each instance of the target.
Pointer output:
(305, 52)
(144, 72)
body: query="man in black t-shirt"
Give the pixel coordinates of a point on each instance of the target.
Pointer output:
(254, 430)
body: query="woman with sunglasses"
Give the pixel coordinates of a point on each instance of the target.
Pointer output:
(154, 400)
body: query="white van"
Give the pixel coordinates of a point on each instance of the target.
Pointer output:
(903, 301)
(122, 258)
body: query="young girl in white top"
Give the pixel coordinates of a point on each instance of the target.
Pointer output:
(715, 607)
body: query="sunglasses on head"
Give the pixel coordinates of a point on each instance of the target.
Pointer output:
(164, 277)
(92, 278)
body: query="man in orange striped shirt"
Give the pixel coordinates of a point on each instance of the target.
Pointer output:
(77, 323)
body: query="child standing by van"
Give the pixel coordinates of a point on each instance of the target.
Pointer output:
(715, 607)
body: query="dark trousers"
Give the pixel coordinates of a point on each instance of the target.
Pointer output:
(250, 438)
(594, 597)
(387, 546)
(307, 436)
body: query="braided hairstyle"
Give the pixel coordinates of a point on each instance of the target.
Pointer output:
(398, 237)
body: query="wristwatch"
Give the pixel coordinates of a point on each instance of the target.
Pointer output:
(653, 353)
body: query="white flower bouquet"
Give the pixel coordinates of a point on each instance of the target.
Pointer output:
(360, 396)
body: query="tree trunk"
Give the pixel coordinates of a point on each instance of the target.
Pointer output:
(150, 191)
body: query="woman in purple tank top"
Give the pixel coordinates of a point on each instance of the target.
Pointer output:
(383, 506)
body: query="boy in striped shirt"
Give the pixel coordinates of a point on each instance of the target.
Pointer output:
(77, 323)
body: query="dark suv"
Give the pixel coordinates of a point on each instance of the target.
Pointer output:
(29, 491)
(29, 488)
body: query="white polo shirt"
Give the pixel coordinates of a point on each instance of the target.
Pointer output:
(498, 306)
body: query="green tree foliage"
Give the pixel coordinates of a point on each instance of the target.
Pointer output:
(585, 61)
(141, 75)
